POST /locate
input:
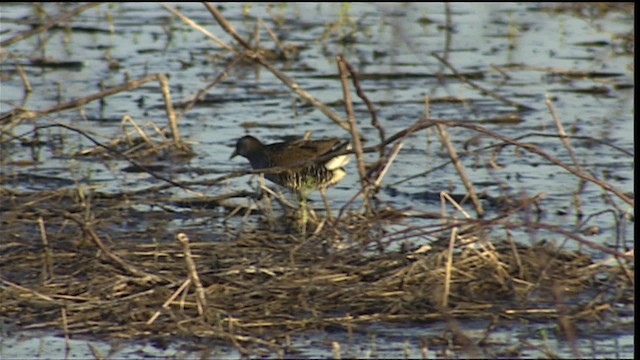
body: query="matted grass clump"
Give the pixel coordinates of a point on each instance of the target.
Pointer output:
(84, 275)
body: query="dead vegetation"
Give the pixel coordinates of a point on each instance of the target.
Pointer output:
(257, 287)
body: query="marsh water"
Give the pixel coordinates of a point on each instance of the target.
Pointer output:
(578, 58)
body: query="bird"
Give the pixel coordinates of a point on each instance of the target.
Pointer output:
(308, 164)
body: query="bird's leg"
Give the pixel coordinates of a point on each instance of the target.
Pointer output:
(305, 215)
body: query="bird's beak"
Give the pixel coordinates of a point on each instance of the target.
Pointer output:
(235, 153)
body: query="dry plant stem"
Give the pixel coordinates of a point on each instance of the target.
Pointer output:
(275, 39)
(171, 114)
(65, 330)
(48, 262)
(47, 26)
(32, 292)
(571, 235)
(226, 26)
(372, 109)
(126, 157)
(355, 136)
(87, 99)
(335, 349)
(201, 298)
(223, 75)
(630, 254)
(423, 123)
(453, 155)
(88, 230)
(448, 266)
(392, 156)
(143, 135)
(562, 133)
(517, 105)
(590, 138)
(171, 298)
(325, 200)
(23, 75)
(516, 256)
(95, 352)
(565, 141)
(448, 29)
(195, 25)
(445, 196)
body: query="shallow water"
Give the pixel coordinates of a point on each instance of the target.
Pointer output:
(391, 45)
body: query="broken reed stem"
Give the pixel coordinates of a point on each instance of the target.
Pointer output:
(171, 114)
(355, 136)
(95, 352)
(516, 256)
(448, 30)
(143, 135)
(563, 135)
(517, 105)
(48, 262)
(65, 331)
(171, 298)
(23, 74)
(335, 350)
(453, 155)
(392, 156)
(445, 196)
(49, 25)
(201, 298)
(226, 26)
(448, 266)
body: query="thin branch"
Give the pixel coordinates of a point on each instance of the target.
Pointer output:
(517, 105)
(49, 25)
(226, 26)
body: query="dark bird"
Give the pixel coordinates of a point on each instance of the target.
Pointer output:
(308, 164)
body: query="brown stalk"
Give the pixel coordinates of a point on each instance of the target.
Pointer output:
(355, 136)
(562, 133)
(453, 155)
(48, 262)
(23, 75)
(448, 266)
(372, 109)
(201, 298)
(65, 331)
(171, 298)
